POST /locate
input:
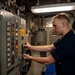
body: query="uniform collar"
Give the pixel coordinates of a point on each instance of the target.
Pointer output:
(67, 35)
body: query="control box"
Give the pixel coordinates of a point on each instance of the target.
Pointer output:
(12, 36)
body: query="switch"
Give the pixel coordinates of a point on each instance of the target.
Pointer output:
(8, 23)
(8, 59)
(8, 28)
(16, 30)
(13, 53)
(8, 44)
(16, 38)
(8, 54)
(8, 39)
(9, 64)
(8, 34)
(8, 49)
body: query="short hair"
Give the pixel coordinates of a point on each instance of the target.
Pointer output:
(62, 16)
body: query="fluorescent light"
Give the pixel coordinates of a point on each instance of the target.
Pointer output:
(53, 8)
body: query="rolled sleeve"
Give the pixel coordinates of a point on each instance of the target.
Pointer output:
(55, 56)
(56, 43)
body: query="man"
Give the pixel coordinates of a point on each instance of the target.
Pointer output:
(62, 51)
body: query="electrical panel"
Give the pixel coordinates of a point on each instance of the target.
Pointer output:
(12, 36)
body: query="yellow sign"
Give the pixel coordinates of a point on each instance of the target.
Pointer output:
(22, 32)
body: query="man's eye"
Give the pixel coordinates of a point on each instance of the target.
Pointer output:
(54, 25)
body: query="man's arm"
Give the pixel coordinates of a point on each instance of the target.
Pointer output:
(43, 60)
(40, 48)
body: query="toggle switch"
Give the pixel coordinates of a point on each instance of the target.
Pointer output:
(8, 34)
(8, 59)
(8, 54)
(8, 49)
(16, 30)
(8, 44)
(8, 28)
(13, 53)
(9, 64)
(16, 38)
(8, 39)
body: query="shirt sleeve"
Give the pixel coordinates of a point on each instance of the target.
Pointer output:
(55, 55)
(56, 43)
(63, 51)
(54, 52)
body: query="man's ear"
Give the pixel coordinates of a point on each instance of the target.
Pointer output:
(64, 23)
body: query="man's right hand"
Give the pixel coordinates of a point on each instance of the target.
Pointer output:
(26, 44)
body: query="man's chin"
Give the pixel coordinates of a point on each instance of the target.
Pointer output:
(58, 34)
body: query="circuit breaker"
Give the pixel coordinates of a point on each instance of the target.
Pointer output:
(11, 28)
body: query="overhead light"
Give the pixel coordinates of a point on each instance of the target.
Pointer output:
(53, 8)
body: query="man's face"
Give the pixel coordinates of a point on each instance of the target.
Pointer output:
(58, 26)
